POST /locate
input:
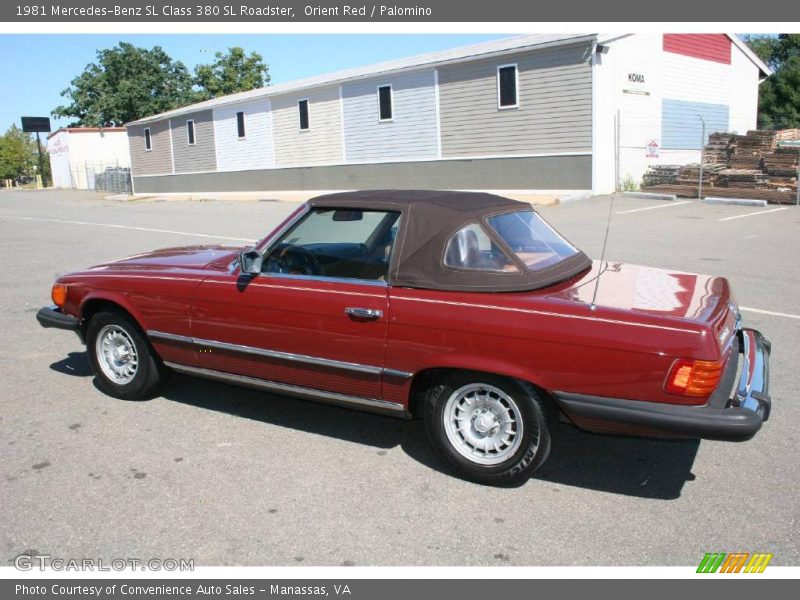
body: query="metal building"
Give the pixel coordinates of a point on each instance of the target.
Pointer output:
(538, 113)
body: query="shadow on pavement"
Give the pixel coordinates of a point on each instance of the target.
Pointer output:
(645, 468)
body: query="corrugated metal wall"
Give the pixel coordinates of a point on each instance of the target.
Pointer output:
(681, 127)
(708, 46)
(412, 132)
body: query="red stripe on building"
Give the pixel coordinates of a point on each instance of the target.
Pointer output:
(709, 46)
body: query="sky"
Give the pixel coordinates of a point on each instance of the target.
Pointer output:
(36, 68)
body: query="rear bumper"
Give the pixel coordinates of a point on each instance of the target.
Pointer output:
(734, 413)
(52, 317)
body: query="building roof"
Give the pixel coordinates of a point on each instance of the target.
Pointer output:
(431, 59)
(430, 219)
(85, 130)
(742, 45)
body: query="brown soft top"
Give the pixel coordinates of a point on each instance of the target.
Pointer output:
(429, 219)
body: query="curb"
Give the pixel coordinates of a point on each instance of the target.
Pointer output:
(649, 196)
(739, 201)
(573, 198)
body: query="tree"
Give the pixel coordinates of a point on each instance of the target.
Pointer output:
(779, 95)
(18, 154)
(230, 73)
(126, 83)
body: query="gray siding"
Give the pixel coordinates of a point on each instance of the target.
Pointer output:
(157, 161)
(412, 131)
(548, 172)
(202, 155)
(554, 113)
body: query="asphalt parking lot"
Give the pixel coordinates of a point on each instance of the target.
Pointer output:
(234, 477)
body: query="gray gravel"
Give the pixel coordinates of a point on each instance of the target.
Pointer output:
(233, 477)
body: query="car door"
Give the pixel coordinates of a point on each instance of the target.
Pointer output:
(316, 317)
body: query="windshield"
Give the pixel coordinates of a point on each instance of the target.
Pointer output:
(532, 239)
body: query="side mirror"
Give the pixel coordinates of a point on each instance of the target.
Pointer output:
(250, 262)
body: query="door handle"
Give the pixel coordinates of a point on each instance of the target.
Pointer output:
(363, 314)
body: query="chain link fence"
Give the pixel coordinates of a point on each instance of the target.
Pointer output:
(105, 177)
(695, 159)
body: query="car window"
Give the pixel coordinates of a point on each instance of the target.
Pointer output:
(471, 248)
(342, 243)
(532, 239)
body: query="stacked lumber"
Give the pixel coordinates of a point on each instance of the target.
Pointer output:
(742, 178)
(787, 135)
(661, 175)
(784, 161)
(690, 174)
(718, 149)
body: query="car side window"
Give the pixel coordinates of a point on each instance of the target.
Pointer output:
(471, 248)
(341, 243)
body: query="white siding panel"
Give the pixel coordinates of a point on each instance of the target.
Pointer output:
(696, 80)
(255, 150)
(412, 131)
(743, 92)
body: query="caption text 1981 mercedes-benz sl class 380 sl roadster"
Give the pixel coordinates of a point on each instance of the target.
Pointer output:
(465, 309)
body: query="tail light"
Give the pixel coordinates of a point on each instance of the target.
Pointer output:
(696, 378)
(59, 295)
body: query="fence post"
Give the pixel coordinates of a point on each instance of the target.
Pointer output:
(797, 186)
(617, 169)
(702, 157)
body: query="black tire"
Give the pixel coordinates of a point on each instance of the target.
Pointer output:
(539, 422)
(150, 374)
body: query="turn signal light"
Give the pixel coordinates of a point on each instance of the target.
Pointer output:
(697, 378)
(59, 295)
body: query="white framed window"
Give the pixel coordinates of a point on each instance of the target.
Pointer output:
(190, 139)
(302, 114)
(240, 129)
(385, 103)
(507, 86)
(148, 140)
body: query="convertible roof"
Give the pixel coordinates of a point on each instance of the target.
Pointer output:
(429, 219)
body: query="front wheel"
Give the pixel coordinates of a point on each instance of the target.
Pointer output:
(490, 429)
(123, 363)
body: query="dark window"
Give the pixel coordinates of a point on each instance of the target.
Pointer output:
(345, 243)
(190, 132)
(240, 124)
(507, 85)
(148, 142)
(385, 102)
(302, 108)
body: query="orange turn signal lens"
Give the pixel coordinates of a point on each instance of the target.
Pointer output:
(696, 378)
(59, 295)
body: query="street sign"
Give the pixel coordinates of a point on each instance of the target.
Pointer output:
(36, 124)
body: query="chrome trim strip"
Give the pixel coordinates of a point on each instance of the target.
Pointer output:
(397, 374)
(371, 404)
(301, 358)
(169, 337)
(290, 276)
(324, 362)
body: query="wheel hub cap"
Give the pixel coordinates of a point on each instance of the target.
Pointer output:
(483, 423)
(116, 354)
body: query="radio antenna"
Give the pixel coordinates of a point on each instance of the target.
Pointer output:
(593, 306)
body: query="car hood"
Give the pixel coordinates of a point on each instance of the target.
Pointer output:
(187, 257)
(651, 290)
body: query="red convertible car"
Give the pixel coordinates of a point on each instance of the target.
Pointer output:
(465, 309)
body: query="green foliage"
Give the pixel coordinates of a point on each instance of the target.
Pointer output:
(628, 184)
(18, 154)
(779, 95)
(230, 73)
(126, 83)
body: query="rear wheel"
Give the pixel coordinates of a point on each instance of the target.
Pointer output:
(123, 362)
(489, 429)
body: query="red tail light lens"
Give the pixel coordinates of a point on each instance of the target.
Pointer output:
(696, 378)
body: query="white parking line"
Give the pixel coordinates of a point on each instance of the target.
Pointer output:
(752, 214)
(116, 226)
(769, 312)
(625, 212)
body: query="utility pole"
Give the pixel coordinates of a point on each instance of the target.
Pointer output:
(41, 161)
